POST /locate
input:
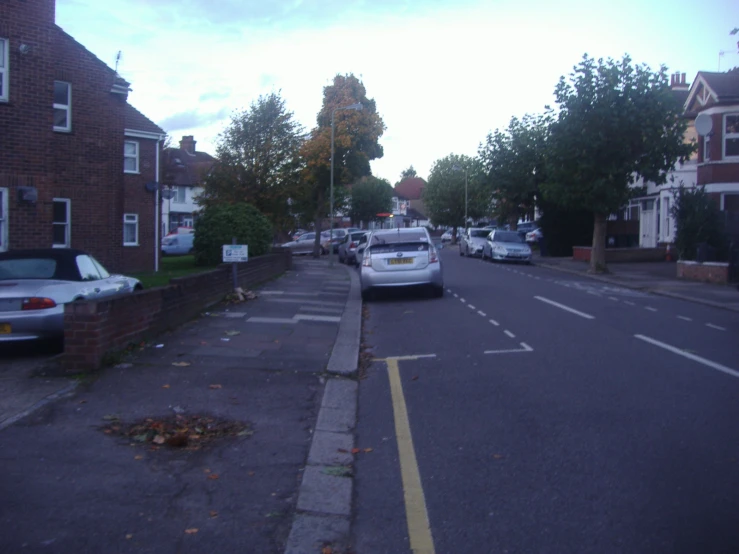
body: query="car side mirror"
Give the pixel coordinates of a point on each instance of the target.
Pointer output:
(360, 249)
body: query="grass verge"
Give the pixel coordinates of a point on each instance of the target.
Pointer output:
(169, 268)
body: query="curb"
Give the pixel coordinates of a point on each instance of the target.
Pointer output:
(640, 288)
(40, 404)
(324, 504)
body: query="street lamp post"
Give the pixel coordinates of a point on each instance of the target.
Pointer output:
(356, 106)
(457, 168)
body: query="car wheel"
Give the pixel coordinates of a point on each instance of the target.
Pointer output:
(461, 251)
(438, 292)
(367, 295)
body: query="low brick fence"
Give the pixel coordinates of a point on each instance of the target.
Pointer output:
(707, 272)
(95, 329)
(615, 255)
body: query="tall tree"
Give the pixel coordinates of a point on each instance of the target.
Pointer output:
(369, 197)
(357, 133)
(514, 162)
(408, 173)
(617, 121)
(258, 160)
(444, 195)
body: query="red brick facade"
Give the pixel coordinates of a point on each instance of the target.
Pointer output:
(84, 165)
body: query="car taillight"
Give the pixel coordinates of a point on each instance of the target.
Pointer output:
(433, 256)
(37, 303)
(367, 259)
(352, 245)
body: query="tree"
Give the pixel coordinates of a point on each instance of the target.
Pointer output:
(514, 162)
(444, 196)
(258, 160)
(617, 121)
(369, 197)
(408, 173)
(218, 224)
(357, 133)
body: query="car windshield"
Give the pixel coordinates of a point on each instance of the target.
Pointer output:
(479, 233)
(357, 236)
(27, 268)
(307, 236)
(507, 236)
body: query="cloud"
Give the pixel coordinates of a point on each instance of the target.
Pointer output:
(191, 120)
(214, 95)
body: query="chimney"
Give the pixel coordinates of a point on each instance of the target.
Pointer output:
(188, 144)
(682, 78)
(677, 81)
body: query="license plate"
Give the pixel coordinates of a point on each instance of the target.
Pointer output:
(5, 328)
(399, 261)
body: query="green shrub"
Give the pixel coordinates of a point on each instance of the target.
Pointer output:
(697, 221)
(218, 224)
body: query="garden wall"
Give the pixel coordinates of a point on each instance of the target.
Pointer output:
(582, 253)
(707, 272)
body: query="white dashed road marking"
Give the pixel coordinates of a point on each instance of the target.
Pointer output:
(650, 308)
(700, 360)
(507, 332)
(563, 307)
(494, 322)
(717, 327)
(483, 314)
(684, 318)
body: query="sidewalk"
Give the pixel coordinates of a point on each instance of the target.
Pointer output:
(255, 458)
(655, 277)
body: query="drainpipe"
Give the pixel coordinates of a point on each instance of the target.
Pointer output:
(156, 209)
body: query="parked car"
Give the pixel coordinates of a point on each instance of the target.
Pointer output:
(506, 245)
(403, 257)
(181, 231)
(304, 244)
(525, 227)
(336, 238)
(534, 236)
(472, 242)
(178, 245)
(35, 285)
(348, 247)
(296, 234)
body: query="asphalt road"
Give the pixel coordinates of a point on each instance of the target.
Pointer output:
(534, 411)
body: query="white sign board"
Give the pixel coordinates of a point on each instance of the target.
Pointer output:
(235, 253)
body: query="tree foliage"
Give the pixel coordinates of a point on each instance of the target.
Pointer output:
(697, 221)
(408, 173)
(444, 197)
(258, 160)
(356, 143)
(370, 196)
(617, 121)
(514, 161)
(218, 224)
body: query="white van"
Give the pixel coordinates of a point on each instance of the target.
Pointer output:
(178, 244)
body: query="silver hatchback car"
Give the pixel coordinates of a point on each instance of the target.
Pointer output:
(404, 257)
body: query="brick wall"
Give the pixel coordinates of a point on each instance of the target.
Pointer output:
(94, 329)
(582, 253)
(708, 272)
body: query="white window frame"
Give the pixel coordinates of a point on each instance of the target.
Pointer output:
(67, 107)
(727, 136)
(707, 148)
(134, 157)
(4, 69)
(4, 210)
(176, 197)
(131, 219)
(67, 224)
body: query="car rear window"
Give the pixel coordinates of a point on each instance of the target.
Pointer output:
(388, 238)
(479, 233)
(27, 268)
(400, 247)
(357, 236)
(507, 236)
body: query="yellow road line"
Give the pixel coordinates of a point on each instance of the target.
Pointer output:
(419, 529)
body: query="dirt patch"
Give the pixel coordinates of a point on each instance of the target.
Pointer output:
(191, 432)
(365, 352)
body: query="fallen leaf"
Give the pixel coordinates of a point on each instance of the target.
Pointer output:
(159, 439)
(250, 474)
(343, 450)
(203, 342)
(107, 431)
(368, 449)
(216, 386)
(165, 386)
(233, 333)
(191, 531)
(83, 401)
(213, 513)
(129, 536)
(414, 378)
(355, 450)
(498, 456)
(181, 364)
(139, 457)
(338, 471)
(213, 476)
(111, 417)
(327, 550)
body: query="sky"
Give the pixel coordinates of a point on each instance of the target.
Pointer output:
(443, 73)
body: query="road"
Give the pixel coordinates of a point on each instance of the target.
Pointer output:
(534, 411)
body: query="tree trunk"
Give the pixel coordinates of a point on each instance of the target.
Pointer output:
(598, 251)
(317, 219)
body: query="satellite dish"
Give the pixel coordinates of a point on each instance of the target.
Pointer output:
(703, 124)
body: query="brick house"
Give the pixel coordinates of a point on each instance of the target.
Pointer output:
(411, 188)
(184, 170)
(74, 155)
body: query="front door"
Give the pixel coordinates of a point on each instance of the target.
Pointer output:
(647, 225)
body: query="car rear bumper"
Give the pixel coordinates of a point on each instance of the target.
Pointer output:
(430, 275)
(512, 257)
(33, 324)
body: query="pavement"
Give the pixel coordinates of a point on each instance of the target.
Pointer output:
(284, 365)
(259, 452)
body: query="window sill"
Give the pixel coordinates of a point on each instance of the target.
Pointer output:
(131, 244)
(131, 172)
(62, 130)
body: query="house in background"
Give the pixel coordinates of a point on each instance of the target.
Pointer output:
(185, 170)
(649, 217)
(75, 157)
(411, 191)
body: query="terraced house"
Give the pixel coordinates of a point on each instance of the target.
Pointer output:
(75, 156)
